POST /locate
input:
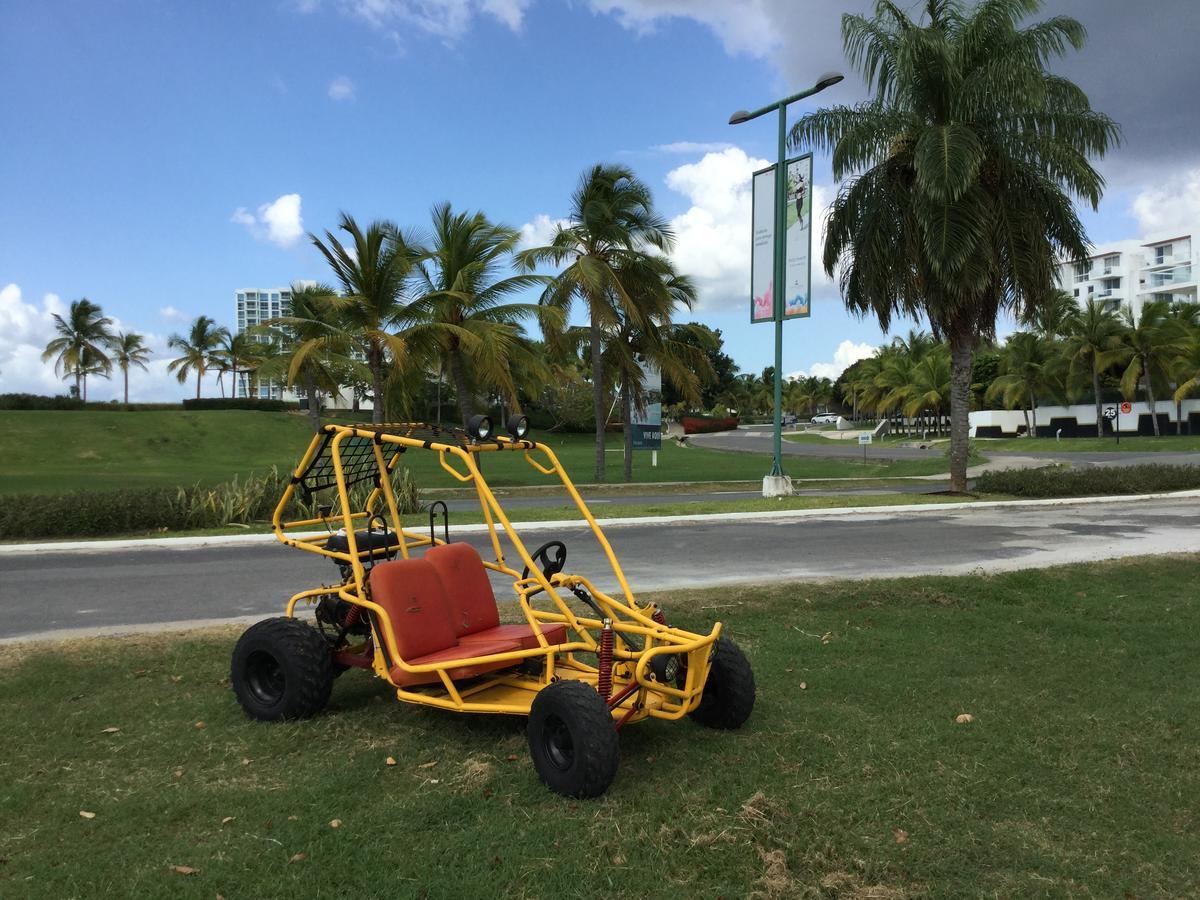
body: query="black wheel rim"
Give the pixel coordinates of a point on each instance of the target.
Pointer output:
(556, 741)
(264, 677)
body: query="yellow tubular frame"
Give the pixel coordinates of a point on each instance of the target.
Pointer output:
(505, 692)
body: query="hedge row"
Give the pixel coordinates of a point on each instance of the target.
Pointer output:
(239, 403)
(38, 401)
(138, 510)
(1063, 482)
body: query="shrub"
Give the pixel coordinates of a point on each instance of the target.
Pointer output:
(1063, 482)
(37, 401)
(239, 403)
(236, 502)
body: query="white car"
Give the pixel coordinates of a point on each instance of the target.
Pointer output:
(824, 419)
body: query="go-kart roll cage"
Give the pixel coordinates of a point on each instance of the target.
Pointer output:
(342, 455)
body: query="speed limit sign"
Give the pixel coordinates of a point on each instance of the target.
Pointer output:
(1110, 412)
(1126, 408)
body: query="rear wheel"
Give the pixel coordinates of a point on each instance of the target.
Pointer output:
(728, 697)
(573, 739)
(281, 669)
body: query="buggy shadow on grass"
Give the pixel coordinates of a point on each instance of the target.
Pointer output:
(419, 612)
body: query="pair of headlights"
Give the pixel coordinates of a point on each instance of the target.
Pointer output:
(480, 427)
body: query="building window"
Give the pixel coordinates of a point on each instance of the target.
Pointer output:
(1076, 292)
(1162, 254)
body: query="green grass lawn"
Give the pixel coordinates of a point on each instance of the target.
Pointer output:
(1079, 775)
(53, 452)
(1130, 444)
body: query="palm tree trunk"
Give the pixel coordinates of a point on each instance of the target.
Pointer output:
(78, 384)
(85, 389)
(960, 407)
(1096, 391)
(458, 375)
(1150, 403)
(1033, 409)
(1178, 417)
(598, 394)
(314, 403)
(626, 415)
(198, 373)
(1025, 413)
(125, 372)
(376, 364)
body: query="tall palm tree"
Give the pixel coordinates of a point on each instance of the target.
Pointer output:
(1185, 370)
(463, 287)
(928, 393)
(200, 350)
(129, 349)
(1152, 340)
(958, 173)
(1025, 363)
(612, 224)
(1092, 340)
(1186, 315)
(314, 346)
(85, 330)
(238, 353)
(372, 271)
(92, 364)
(1054, 317)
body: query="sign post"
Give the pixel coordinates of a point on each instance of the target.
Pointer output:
(646, 422)
(1110, 413)
(796, 175)
(865, 441)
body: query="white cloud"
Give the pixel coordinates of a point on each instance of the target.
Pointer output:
(540, 231)
(846, 355)
(341, 88)
(446, 19)
(279, 222)
(171, 314)
(1172, 206)
(26, 328)
(693, 147)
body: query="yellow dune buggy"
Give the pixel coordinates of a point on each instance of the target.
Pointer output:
(419, 612)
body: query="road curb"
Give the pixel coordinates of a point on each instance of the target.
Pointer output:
(243, 540)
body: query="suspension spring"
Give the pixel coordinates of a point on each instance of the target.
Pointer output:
(352, 616)
(659, 617)
(605, 655)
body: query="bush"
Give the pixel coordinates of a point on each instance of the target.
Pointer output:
(1063, 482)
(237, 502)
(37, 401)
(240, 403)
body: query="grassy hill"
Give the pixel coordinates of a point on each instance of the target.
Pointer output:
(54, 452)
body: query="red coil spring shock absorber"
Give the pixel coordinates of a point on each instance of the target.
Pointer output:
(605, 654)
(352, 616)
(659, 617)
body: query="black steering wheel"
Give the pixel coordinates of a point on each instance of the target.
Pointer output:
(551, 565)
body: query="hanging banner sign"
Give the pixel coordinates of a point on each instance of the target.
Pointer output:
(797, 282)
(646, 424)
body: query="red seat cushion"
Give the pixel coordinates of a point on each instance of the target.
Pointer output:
(522, 634)
(411, 592)
(467, 586)
(461, 651)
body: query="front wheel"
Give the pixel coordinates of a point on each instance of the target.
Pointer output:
(281, 669)
(573, 739)
(728, 697)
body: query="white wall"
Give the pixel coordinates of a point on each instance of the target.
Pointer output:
(1085, 414)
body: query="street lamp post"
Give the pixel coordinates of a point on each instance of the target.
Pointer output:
(777, 483)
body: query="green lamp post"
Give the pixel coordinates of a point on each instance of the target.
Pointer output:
(777, 483)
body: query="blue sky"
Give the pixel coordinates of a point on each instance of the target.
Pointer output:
(145, 142)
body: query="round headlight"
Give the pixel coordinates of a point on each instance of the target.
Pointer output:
(479, 427)
(518, 426)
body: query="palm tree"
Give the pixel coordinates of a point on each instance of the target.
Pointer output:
(129, 349)
(92, 364)
(928, 391)
(1054, 317)
(1152, 342)
(958, 172)
(1025, 363)
(372, 271)
(612, 224)
(85, 330)
(199, 350)
(1185, 369)
(1186, 315)
(315, 347)
(1092, 339)
(463, 301)
(238, 353)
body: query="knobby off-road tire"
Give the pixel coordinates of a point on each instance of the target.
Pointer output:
(282, 669)
(728, 697)
(573, 739)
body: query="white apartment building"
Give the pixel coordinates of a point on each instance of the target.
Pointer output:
(1133, 272)
(254, 307)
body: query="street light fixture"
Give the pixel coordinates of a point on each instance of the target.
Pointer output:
(777, 483)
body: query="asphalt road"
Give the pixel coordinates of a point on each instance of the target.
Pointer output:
(59, 592)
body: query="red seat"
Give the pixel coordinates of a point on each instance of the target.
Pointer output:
(473, 607)
(412, 594)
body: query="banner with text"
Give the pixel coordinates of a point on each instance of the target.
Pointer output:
(797, 280)
(646, 424)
